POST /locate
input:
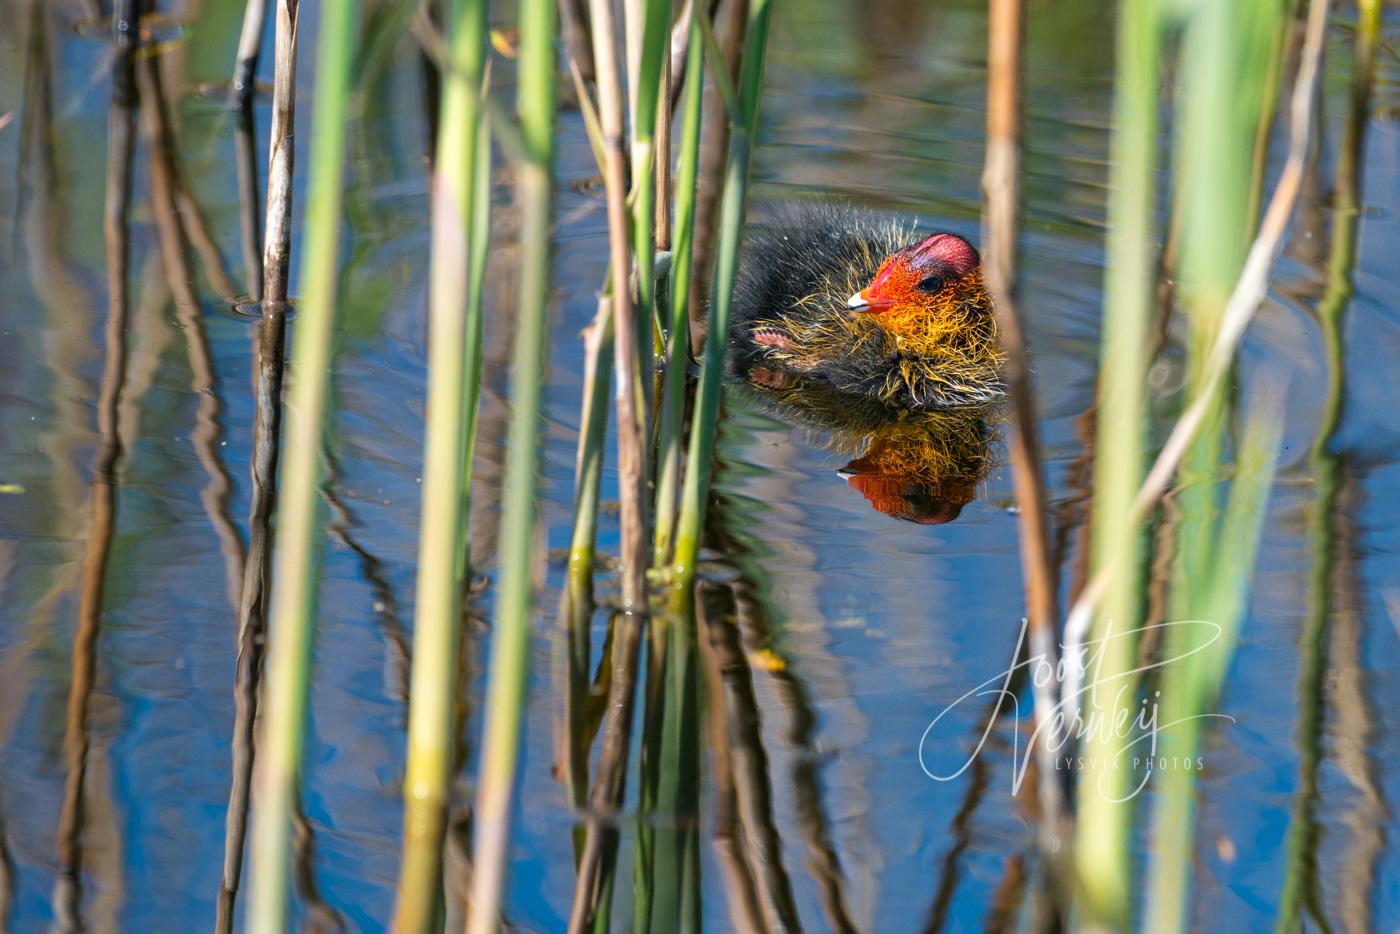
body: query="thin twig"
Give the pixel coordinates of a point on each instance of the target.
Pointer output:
(277, 236)
(1001, 193)
(245, 66)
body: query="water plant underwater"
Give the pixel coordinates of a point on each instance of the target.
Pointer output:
(891, 342)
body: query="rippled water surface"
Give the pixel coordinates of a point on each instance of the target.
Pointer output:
(858, 628)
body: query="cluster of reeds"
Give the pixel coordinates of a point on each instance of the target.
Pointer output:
(635, 106)
(1174, 662)
(643, 311)
(1169, 659)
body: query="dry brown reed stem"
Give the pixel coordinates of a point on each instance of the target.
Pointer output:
(252, 606)
(731, 22)
(680, 42)
(277, 236)
(273, 271)
(283, 726)
(600, 840)
(661, 232)
(1001, 194)
(631, 451)
(1248, 293)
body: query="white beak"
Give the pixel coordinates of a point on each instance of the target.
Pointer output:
(857, 302)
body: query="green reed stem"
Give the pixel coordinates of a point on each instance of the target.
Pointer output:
(1102, 821)
(593, 431)
(1223, 45)
(656, 33)
(292, 620)
(453, 353)
(673, 404)
(479, 247)
(577, 610)
(505, 699)
(700, 454)
(1214, 560)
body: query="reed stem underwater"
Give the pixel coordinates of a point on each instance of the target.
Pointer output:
(292, 619)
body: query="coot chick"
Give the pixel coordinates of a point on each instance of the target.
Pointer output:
(867, 305)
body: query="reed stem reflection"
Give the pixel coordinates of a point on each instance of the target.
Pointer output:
(121, 138)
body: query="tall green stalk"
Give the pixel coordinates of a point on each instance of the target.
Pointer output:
(478, 249)
(577, 601)
(292, 621)
(673, 404)
(656, 33)
(454, 372)
(666, 896)
(505, 700)
(700, 454)
(1101, 840)
(1223, 45)
(1217, 161)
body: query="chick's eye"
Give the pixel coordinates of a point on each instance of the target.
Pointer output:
(931, 284)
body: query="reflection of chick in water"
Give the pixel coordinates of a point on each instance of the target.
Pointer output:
(919, 465)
